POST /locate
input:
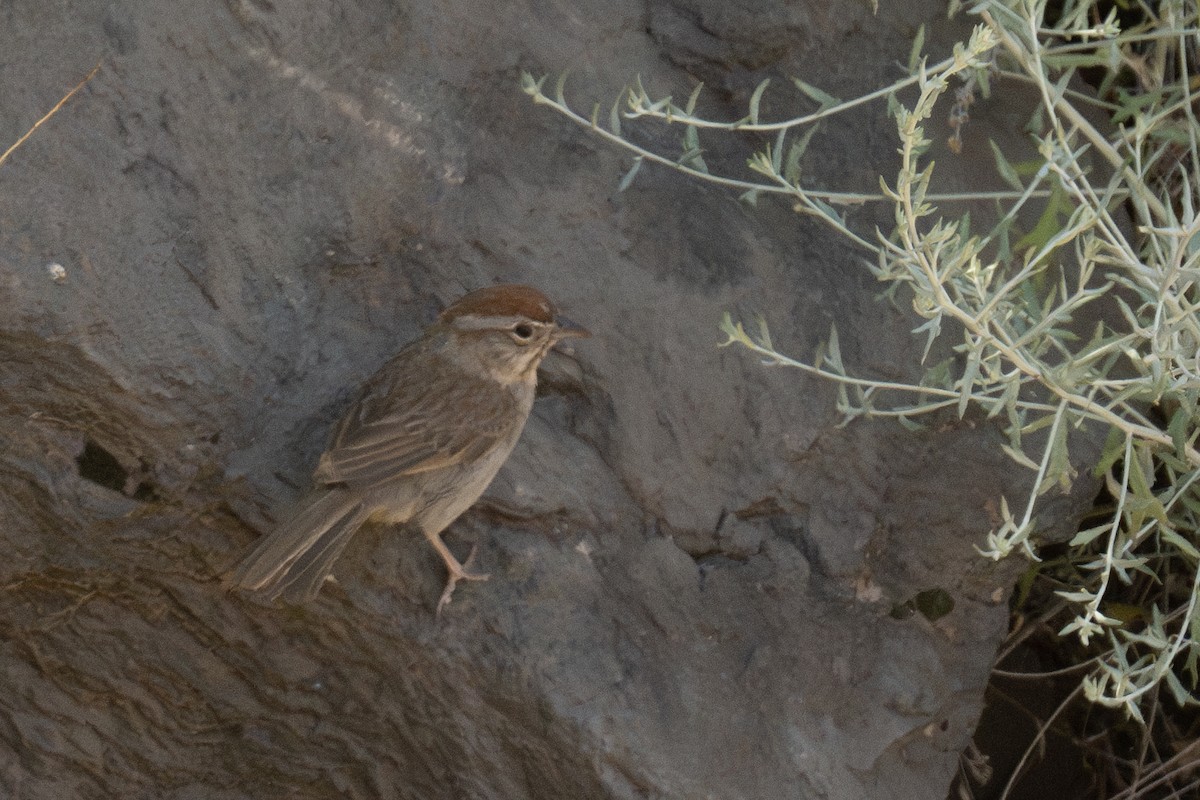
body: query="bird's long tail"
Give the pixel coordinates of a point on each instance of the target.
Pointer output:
(293, 560)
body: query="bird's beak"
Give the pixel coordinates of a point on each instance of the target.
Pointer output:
(569, 330)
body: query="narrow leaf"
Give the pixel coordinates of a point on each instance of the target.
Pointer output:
(530, 85)
(1086, 536)
(834, 354)
(1184, 546)
(1019, 457)
(791, 165)
(914, 55)
(629, 176)
(823, 99)
(1007, 173)
(755, 99)
(1059, 470)
(560, 88)
(828, 211)
(1178, 428)
(1182, 696)
(1114, 451)
(967, 384)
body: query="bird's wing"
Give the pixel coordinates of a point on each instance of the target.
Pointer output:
(406, 422)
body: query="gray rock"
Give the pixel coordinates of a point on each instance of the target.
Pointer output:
(253, 205)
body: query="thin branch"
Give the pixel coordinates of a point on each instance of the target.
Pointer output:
(50, 113)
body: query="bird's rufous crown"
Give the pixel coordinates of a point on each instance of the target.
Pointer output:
(510, 300)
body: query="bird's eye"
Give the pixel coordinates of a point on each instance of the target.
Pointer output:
(522, 330)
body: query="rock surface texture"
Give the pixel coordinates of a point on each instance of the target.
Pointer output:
(255, 204)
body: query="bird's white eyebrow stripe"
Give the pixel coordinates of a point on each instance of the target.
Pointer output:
(470, 322)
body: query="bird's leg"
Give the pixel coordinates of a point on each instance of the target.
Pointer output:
(458, 572)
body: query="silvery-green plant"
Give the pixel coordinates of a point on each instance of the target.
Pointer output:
(1017, 355)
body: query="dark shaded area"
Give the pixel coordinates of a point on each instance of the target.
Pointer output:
(99, 466)
(1041, 736)
(692, 565)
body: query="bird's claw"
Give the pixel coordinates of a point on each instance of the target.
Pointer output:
(459, 572)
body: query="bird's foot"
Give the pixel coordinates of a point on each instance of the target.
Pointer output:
(458, 572)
